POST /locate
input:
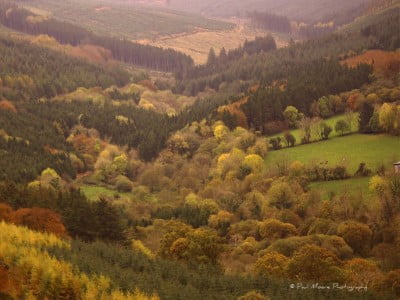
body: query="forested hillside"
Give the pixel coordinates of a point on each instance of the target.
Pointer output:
(271, 66)
(304, 10)
(124, 50)
(264, 174)
(134, 21)
(30, 72)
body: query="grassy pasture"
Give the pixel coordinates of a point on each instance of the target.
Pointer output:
(349, 150)
(93, 192)
(353, 186)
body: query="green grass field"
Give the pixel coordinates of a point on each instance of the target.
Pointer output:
(349, 150)
(93, 192)
(297, 133)
(351, 186)
(124, 19)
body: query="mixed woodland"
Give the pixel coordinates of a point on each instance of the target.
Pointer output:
(118, 185)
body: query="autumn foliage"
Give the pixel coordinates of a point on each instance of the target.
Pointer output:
(39, 219)
(384, 62)
(7, 105)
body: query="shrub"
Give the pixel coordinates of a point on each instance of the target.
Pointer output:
(272, 264)
(5, 212)
(280, 195)
(276, 143)
(357, 236)
(123, 184)
(273, 229)
(313, 263)
(289, 139)
(253, 295)
(342, 127)
(362, 170)
(39, 219)
(363, 272)
(290, 245)
(391, 283)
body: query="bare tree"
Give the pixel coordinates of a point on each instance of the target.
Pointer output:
(305, 126)
(350, 117)
(315, 128)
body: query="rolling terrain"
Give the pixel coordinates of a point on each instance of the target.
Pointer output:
(129, 171)
(134, 22)
(303, 10)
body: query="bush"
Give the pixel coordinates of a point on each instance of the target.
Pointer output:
(342, 127)
(276, 143)
(39, 219)
(123, 184)
(357, 236)
(272, 264)
(313, 263)
(289, 139)
(280, 195)
(253, 295)
(273, 229)
(332, 243)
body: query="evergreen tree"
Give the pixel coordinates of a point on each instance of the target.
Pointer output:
(109, 225)
(366, 113)
(212, 58)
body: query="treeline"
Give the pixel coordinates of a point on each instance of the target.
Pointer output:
(129, 269)
(384, 34)
(330, 23)
(276, 23)
(269, 21)
(83, 219)
(312, 31)
(145, 130)
(151, 57)
(173, 280)
(270, 66)
(28, 71)
(29, 144)
(216, 63)
(34, 138)
(308, 82)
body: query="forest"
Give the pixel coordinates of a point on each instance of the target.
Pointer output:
(267, 66)
(124, 50)
(249, 177)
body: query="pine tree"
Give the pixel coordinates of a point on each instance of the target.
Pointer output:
(109, 226)
(212, 58)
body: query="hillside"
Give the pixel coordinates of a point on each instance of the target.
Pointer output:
(129, 171)
(134, 22)
(371, 150)
(304, 10)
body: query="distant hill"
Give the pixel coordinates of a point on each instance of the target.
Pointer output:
(300, 10)
(124, 18)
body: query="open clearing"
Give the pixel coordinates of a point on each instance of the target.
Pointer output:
(198, 44)
(124, 19)
(382, 61)
(189, 33)
(350, 150)
(93, 192)
(353, 186)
